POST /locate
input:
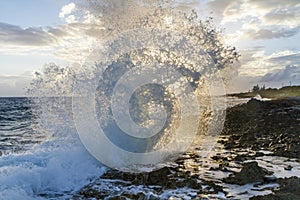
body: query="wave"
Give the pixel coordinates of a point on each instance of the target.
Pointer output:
(55, 167)
(58, 166)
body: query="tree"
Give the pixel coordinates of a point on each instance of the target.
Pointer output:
(255, 88)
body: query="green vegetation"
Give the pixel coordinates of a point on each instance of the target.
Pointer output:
(272, 93)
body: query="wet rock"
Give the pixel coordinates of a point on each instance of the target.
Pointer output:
(289, 167)
(158, 177)
(92, 193)
(276, 197)
(166, 177)
(289, 190)
(290, 185)
(271, 178)
(250, 173)
(271, 125)
(212, 187)
(125, 196)
(259, 154)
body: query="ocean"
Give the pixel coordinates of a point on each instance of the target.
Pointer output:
(35, 163)
(16, 118)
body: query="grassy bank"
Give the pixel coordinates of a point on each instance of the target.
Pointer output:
(272, 93)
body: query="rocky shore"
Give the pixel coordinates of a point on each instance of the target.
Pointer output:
(257, 157)
(265, 125)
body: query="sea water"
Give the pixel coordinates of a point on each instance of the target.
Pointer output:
(38, 163)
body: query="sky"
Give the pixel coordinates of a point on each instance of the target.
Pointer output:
(37, 32)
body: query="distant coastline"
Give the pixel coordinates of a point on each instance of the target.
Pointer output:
(272, 93)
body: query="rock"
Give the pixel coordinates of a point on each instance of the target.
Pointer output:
(166, 177)
(271, 178)
(289, 190)
(270, 125)
(250, 173)
(92, 193)
(289, 167)
(290, 185)
(259, 154)
(159, 177)
(276, 197)
(125, 196)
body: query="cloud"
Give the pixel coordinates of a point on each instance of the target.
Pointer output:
(241, 83)
(255, 62)
(220, 5)
(15, 35)
(15, 85)
(253, 22)
(285, 58)
(70, 42)
(270, 33)
(235, 10)
(289, 73)
(274, 4)
(65, 12)
(284, 17)
(275, 69)
(260, 19)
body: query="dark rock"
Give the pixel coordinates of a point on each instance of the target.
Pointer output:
(158, 177)
(289, 190)
(270, 125)
(271, 178)
(213, 186)
(125, 196)
(290, 185)
(92, 193)
(276, 197)
(167, 178)
(289, 167)
(250, 173)
(259, 154)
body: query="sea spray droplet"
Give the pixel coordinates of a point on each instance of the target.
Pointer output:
(168, 110)
(158, 57)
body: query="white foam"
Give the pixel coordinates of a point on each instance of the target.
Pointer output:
(49, 168)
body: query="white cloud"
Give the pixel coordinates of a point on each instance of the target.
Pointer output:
(253, 22)
(287, 17)
(272, 33)
(11, 34)
(241, 83)
(67, 10)
(70, 42)
(257, 63)
(15, 85)
(69, 13)
(260, 19)
(273, 70)
(286, 74)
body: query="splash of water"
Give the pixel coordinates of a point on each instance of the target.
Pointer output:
(147, 38)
